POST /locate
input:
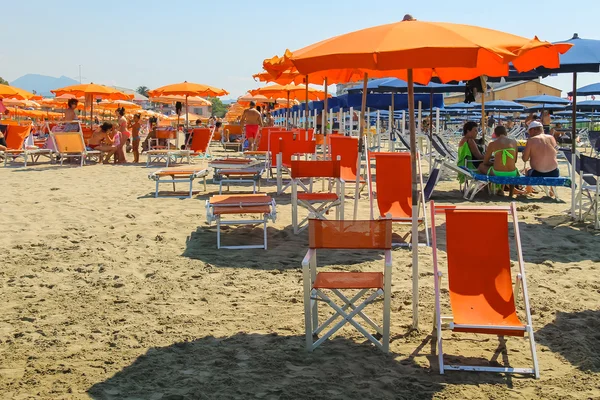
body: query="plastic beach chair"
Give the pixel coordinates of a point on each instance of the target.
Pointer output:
(355, 235)
(481, 293)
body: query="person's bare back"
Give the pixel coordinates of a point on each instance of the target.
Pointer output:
(251, 116)
(541, 153)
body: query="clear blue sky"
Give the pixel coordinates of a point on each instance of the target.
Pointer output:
(222, 43)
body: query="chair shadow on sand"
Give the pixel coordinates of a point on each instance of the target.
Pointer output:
(576, 337)
(267, 366)
(284, 249)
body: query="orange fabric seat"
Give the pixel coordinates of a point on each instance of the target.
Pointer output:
(176, 172)
(221, 210)
(349, 280)
(250, 199)
(317, 196)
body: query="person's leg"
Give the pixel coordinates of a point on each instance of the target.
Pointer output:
(483, 169)
(136, 150)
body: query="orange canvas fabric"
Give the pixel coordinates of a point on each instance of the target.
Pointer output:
(200, 140)
(393, 184)
(350, 234)
(479, 275)
(16, 135)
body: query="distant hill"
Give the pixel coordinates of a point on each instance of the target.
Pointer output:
(42, 84)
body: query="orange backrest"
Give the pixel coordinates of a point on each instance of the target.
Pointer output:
(87, 134)
(69, 142)
(320, 139)
(16, 135)
(290, 147)
(165, 133)
(350, 234)
(393, 184)
(274, 143)
(479, 267)
(347, 148)
(265, 135)
(233, 129)
(216, 137)
(315, 169)
(10, 122)
(200, 140)
(301, 134)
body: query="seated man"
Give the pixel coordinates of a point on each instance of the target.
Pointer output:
(231, 138)
(540, 151)
(504, 150)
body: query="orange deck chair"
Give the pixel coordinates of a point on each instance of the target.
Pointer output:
(346, 147)
(394, 190)
(158, 152)
(178, 175)
(234, 129)
(200, 145)
(262, 147)
(71, 145)
(355, 235)
(318, 204)
(15, 137)
(284, 152)
(479, 278)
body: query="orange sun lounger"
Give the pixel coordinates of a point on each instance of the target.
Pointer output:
(482, 299)
(238, 170)
(219, 208)
(178, 175)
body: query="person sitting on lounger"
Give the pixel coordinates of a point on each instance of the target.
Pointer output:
(102, 141)
(504, 151)
(467, 148)
(540, 151)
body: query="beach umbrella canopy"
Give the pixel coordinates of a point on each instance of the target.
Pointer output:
(114, 104)
(11, 92)
(545, 107)
(291, 91)
(568, 114)
(21, 103)
(401, 86)
(503, 105)
(589, 90)
(462, 106)
(588, 105)
(289, 76)
(187, 89)
(584, 56)
(543, 99)
(416, 51)
(192, 100)
(94, 90)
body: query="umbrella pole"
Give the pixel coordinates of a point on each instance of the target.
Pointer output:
(306, 112)
(361, 144)
(391, 125)
(415, 200)
(573, 146)
(325, 105)
(287, 112)
(483, 125)
(187, 119)
(429, 147)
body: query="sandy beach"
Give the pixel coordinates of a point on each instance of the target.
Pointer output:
(108, 293)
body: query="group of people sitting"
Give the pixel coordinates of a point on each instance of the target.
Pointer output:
(500, 156)
(111, 139)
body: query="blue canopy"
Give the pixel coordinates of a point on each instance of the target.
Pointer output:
(400, 86)
(383, 101)
(588, 90)
(546, 107)
(584, 56)
(503, 105)
(568, 114)
(543, 99)
(462, 106)
(589, 105)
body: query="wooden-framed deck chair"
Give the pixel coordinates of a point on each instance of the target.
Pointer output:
(178, 175)
(200, 142)
(343, 235)
(220, 207)
(480, 285)
(393, 183)
(284, 152)
(318, 204)
(70, 144)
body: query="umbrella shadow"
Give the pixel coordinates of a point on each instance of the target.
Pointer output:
(285, 250)
(267, 366)
(575, 336)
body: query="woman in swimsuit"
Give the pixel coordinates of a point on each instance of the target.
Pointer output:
(122, 134)
(102, 141)
(504, 150)
(135, 137)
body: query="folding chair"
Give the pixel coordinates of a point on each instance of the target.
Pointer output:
(15, 138)
(237, 170)
(394, 190)
(318, 204)
(70, 144)
(173, 175)
(482, 299)
(347, 148)
(284, 152)
(355, 235)
(158, 152)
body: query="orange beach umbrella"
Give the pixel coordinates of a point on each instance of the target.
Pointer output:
(11, 92)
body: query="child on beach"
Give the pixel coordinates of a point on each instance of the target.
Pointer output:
(135, 127)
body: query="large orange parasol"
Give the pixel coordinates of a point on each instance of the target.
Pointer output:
(114, 104)
(417, 51)
(192, 100)
(11, 92)
(291, 91)
(97, 91)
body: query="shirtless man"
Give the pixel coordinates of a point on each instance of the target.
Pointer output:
(540, 151)
(251, 120)
(70, 111)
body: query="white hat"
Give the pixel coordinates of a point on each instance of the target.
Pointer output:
(535, 124)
